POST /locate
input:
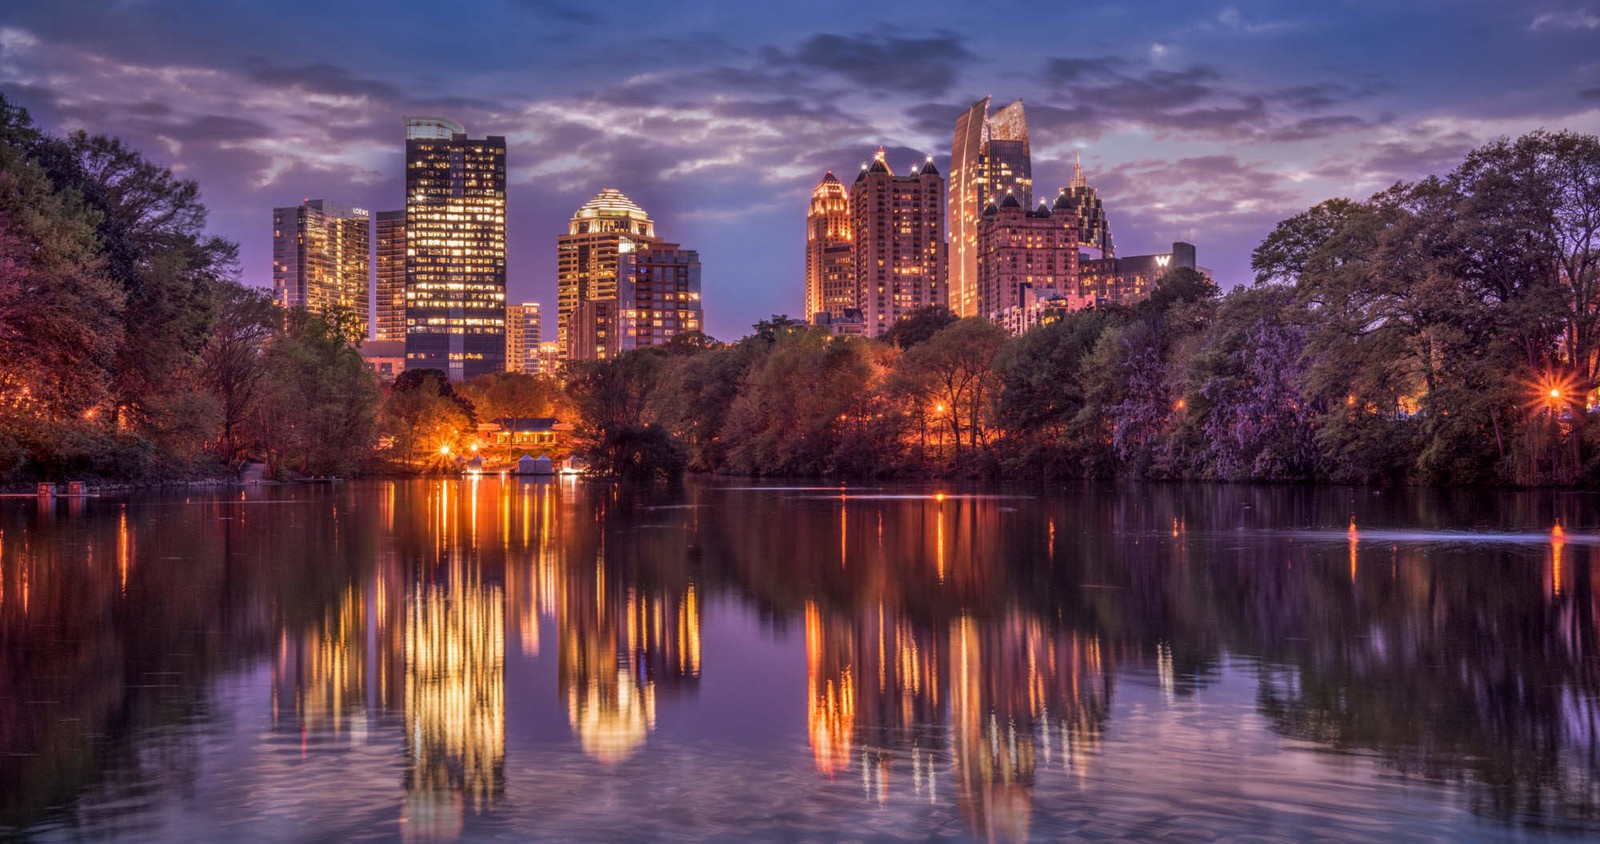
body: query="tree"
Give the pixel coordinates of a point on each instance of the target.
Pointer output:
(232, 363)
(958, 366)
(613, 400)
(1043, 400)
(810, 408)
(317, 414)
(424, 415)
(151, 233)
(919, 326)
(513, 394)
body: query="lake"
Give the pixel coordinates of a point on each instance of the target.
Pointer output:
(504, 659)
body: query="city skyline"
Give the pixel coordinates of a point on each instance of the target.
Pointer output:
(1179, 121)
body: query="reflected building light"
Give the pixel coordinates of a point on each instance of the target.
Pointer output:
(455, 693)
(1165, 673)
(324, 669)
(830, 694)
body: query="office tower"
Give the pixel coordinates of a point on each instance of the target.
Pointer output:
(1020, 250)
(586, 256)
(898, 226)
(390, 275)
(1094, 230)
(988, 157)
(1129, 280)
(456, 255)
(830, 266)
(523, 327)
(319, 258)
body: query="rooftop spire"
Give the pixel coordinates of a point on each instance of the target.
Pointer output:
(1078, 181)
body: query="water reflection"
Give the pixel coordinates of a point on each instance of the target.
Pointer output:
(512, 648)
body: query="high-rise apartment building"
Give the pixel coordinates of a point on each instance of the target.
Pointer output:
(456, 254)
(989, 157)
(1020, 250)
(320, 258)
(1094, 230)
(605, 227)
(524, 326)
(389, 273)
(620, 287)
(830, 264)
(898, 227)
(658, 295)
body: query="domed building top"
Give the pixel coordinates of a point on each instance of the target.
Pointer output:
(611, 210)
(1010, 201)
(928, 169)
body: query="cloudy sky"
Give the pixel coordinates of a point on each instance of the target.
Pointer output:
(1198, 121)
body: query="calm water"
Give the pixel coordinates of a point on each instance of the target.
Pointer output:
(456, 660)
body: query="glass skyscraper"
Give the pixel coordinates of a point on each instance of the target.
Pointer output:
(989, 157)
(319, 258)
(455, 230)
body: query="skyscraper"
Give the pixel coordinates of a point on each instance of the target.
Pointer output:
(830, 267)
(1022, 250)
(320, 258)
(1093, 227)
(390, 275)
(523, 327)
(456, 253)
(898, 227)
(606, 226)
(989, 156)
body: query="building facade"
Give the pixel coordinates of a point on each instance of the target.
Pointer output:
(898, 229)
(524, 326)
(1022, 250)
(455, 229)
(389, 276)
(320, 258)
(658, 296)
(592, 331)
(830, 263)
(606, 227)
(547, 358)
(989, 156)
(1128, 281)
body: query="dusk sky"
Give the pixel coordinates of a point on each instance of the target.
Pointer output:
(1200, 121)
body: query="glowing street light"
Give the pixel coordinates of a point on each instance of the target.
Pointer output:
(445, 449)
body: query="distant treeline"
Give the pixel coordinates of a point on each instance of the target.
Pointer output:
(1443, 331)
